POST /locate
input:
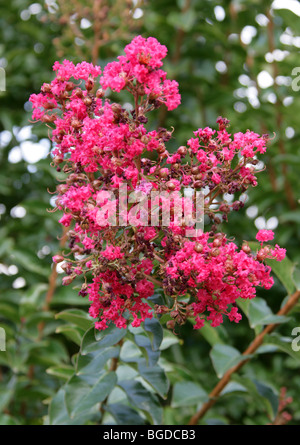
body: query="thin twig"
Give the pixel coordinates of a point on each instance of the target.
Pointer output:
(52, 283)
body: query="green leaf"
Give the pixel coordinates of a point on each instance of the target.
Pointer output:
(290, 216)
(81, 396)
(32, 298)
(64, 295)
(29, 261)
(93, 363)
(6, 395)
(262, 393)
(282, 343)
(187, 393)
(141, 398)
(62, 372)
(8, 420)
(58, 414)
(155, 332)
(143, 342)
(76, 316)
(233, 387)
(259, 314)
(74, 333)
(9, 311)
(225, 357)
(297, 277)
(284, 271)
(124, 415)
(130, 352)
(110, 336)
(211, 335)
(156, 377)
(268, 393)
(168, 340)
(182, 20)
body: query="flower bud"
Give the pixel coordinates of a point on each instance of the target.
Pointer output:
(67, 280)
(215, 252)
(246, 248)
(217, 242)
(46, 88)
(170, 324)
(164, 172)
(70, 86)
(57, 160)
(198, 247)
(89, 84)
(57, 259)
(161, 148)
(182, 150)
(100, 93)
(87, 101)
(171, 185)
(78, 92)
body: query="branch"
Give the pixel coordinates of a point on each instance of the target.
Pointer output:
(52, 282)
(213, 397)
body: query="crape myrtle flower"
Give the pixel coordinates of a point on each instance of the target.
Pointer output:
(109, 156)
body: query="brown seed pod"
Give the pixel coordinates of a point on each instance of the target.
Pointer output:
(170, 185)
(87, 101)
(217, 242)
(46, 88)
(70, 86)
(78, 92)
(198, 248)
(100, 93)
(84, 224)
(182, 150)
(215, 252)
(246, 248)
(89, 84)
(163, 174)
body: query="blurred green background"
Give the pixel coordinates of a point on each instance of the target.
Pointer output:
(237, 59)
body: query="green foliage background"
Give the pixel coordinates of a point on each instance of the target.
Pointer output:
(64, 373)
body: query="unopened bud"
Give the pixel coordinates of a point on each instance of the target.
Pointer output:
(57, 259)
(215, 252)
(100, 93)
(89, 84)
(67, 280)
(198, 247)
(246, 248)
(182, 150)
(70, 86)
(46, 88)
(57, 160)
(171, 185)
(164, 172)
(87, 101)
(170, 324)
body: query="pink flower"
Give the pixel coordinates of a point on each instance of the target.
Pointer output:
(216, 178)
(264, 235)
(112, 253)
(278, 253)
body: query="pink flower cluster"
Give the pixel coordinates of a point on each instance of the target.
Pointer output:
(142, 64)
(102, 147)
(217, 273)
